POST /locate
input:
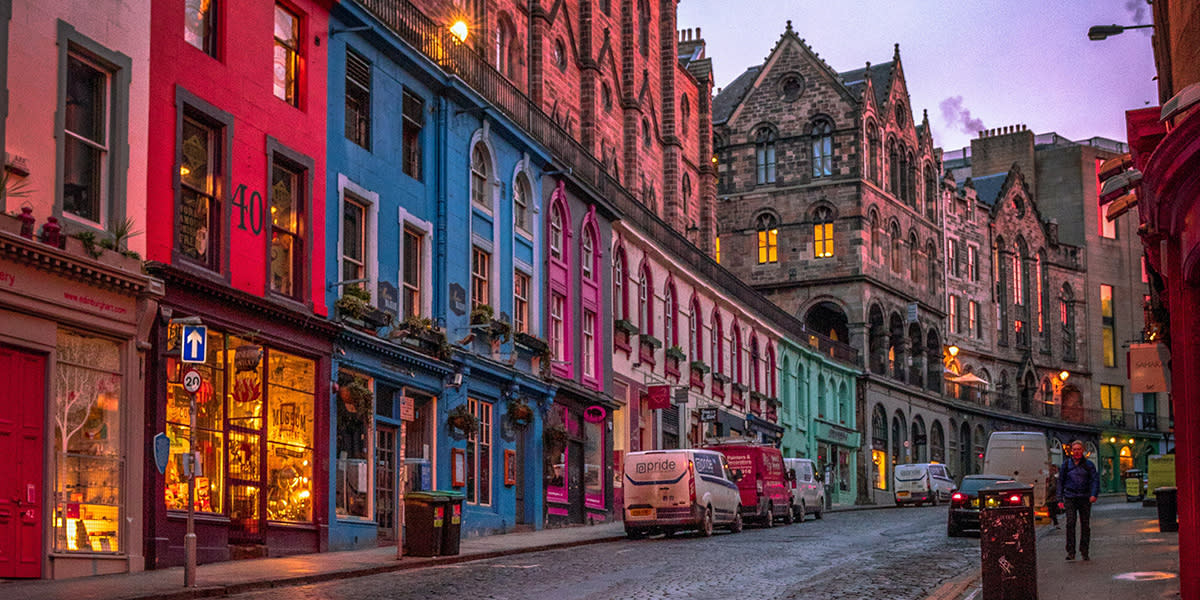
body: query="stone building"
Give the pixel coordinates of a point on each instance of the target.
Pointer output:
(1090, 318)
(829, 203)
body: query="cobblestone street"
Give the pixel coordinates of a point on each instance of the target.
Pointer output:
(880, 554)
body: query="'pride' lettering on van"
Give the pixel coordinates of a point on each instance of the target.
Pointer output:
(655, 467)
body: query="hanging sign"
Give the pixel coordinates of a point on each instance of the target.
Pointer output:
(594, 414)
(658, 397)
(708, 415)
(162, 451)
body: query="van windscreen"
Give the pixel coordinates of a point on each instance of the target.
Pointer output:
(909, 472)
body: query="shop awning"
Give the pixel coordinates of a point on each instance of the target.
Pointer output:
(970, 379)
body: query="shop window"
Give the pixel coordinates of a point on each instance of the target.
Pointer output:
(87, 444)
(479, 455)
(593, 464)
(287, 56)
(355, 410)
(200, 25)
(879, 459)
(261, 403)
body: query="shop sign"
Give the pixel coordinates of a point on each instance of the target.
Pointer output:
(708, 415)
(681, 395)
(458, 299)
(594, 414)
(1147, 374)
(406, 409)
(658, 397)
(389, 298)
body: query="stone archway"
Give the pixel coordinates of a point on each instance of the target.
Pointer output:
(829, 320)
(878, 341)
(937, 443)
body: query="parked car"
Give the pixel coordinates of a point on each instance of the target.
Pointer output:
(672, 490)
(919, 483)
(808, 491)
(1022, 456)
(964, 504)
(765, 489)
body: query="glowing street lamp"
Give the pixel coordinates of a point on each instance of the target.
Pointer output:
(460, 30)
(953, 350)
(1063, 375)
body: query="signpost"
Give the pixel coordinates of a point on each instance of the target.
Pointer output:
(191, 385)
(194, 342)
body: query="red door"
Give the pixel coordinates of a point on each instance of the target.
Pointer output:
(22, 400)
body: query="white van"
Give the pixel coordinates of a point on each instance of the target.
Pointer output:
(808, 492)
(919, 483)
(671, 490)
(1023, 456)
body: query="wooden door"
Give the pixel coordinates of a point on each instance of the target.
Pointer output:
(385, 481)
(22, 405)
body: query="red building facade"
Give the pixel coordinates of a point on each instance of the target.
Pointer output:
(1165, 144)
(236, 202)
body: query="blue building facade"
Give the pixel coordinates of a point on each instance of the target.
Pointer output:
(435, 214)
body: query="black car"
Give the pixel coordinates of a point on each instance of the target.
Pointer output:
(964, 504)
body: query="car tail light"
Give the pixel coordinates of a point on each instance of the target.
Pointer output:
(1015, 500)
(692, 481)
(958, 498)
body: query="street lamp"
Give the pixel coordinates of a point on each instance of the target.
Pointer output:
(1100, 32)
(953, 350)
(1063, 375)
(459, 29)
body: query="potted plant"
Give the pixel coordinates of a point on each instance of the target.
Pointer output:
(355, 395)
(675, 353)
(354, 303)
(626, 326)
(482, 314)
(519, 412)
(554, 437)
(699, 366)
(460, 420)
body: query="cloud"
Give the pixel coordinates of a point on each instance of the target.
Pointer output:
(1137, 10)
(959, 118)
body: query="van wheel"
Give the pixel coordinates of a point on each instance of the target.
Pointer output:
(821, 509)
(737, 525)
(935, 499)
(790, 516)
(770, 520)
(801, 512)
(707, 528)
(635, 534)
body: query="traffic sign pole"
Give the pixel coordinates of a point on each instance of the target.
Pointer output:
(191, 385)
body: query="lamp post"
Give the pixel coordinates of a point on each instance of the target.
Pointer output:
(1101, 32)
(191, 384)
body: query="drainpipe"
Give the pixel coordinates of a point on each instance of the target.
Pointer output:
(442, 135)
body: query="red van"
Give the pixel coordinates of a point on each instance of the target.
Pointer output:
(765, 488)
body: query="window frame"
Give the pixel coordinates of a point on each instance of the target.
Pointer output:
(767, 237)
(522, 196)
(410, 134)
(485, 178)
(821, 135)
(116, 162)
(521, 301)
(213, 27)
(294, 54)
(765, 164)
(185, 103)
(823, 220)
(481, 277)
(361, 92)
(481, 443)
(369, 201)
(278, 153)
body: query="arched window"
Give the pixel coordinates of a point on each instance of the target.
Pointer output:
(556, 232)
(873, 153)
(768, 238)
(755, 383)
(893, 169)
(717, 341)
(764, 155)
(934, 272)
(507, 52)
(910, 187)
(645, 132)
(695, 347)
(823, 232)
(521, 196)
(735, 353)
(897, 243)
(481, 177)
(769, 387)
(644, 27)
(821, 134)
(687, 193)
(645, 309)
(620, 298)
(587, 254)
(914, 258)
(876, 245)
(931, 193)
(670, 314)
(685, 114)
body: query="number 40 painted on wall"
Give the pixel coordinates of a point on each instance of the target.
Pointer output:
(255, 206)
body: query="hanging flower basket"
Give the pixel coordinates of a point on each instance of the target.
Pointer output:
(461, 420)
(520, 413)
(554, 437)
(676, 353)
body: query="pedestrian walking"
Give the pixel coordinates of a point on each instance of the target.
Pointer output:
(1052, 495)
(1078, 487)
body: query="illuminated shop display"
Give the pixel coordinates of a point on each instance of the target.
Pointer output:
(254, 410)
(87, 443)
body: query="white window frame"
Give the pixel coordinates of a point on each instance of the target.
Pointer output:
(589, 343)
(370, 202)
(406, 219)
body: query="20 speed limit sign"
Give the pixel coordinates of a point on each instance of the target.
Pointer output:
(191, 381)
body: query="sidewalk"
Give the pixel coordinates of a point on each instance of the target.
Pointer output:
(1130, 559)
(232, 577)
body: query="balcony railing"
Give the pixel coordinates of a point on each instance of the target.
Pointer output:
(1100, 417)
(455, 58)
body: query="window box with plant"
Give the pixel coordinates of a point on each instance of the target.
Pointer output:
(424, 335)
(674, 356)
(696, 371)
(111, 248)
(483, 317)
(647, 344)
(623, 332)
(530, 343)
(739, 392)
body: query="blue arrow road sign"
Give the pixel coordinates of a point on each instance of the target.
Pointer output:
(195, 338)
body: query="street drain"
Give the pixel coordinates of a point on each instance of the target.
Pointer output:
(1144, 576)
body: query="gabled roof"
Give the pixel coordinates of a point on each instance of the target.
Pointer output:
(988, 187)
(880, 74)
(731, 95)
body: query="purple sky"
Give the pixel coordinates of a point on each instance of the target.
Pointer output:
(971, 64)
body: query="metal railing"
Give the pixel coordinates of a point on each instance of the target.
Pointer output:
(459, 59)
(1100, 417)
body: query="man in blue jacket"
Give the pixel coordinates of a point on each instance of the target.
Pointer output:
(1078, 486)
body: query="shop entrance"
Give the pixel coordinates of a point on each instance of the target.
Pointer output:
(22, 402)
(385, 482)
(575, 481)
